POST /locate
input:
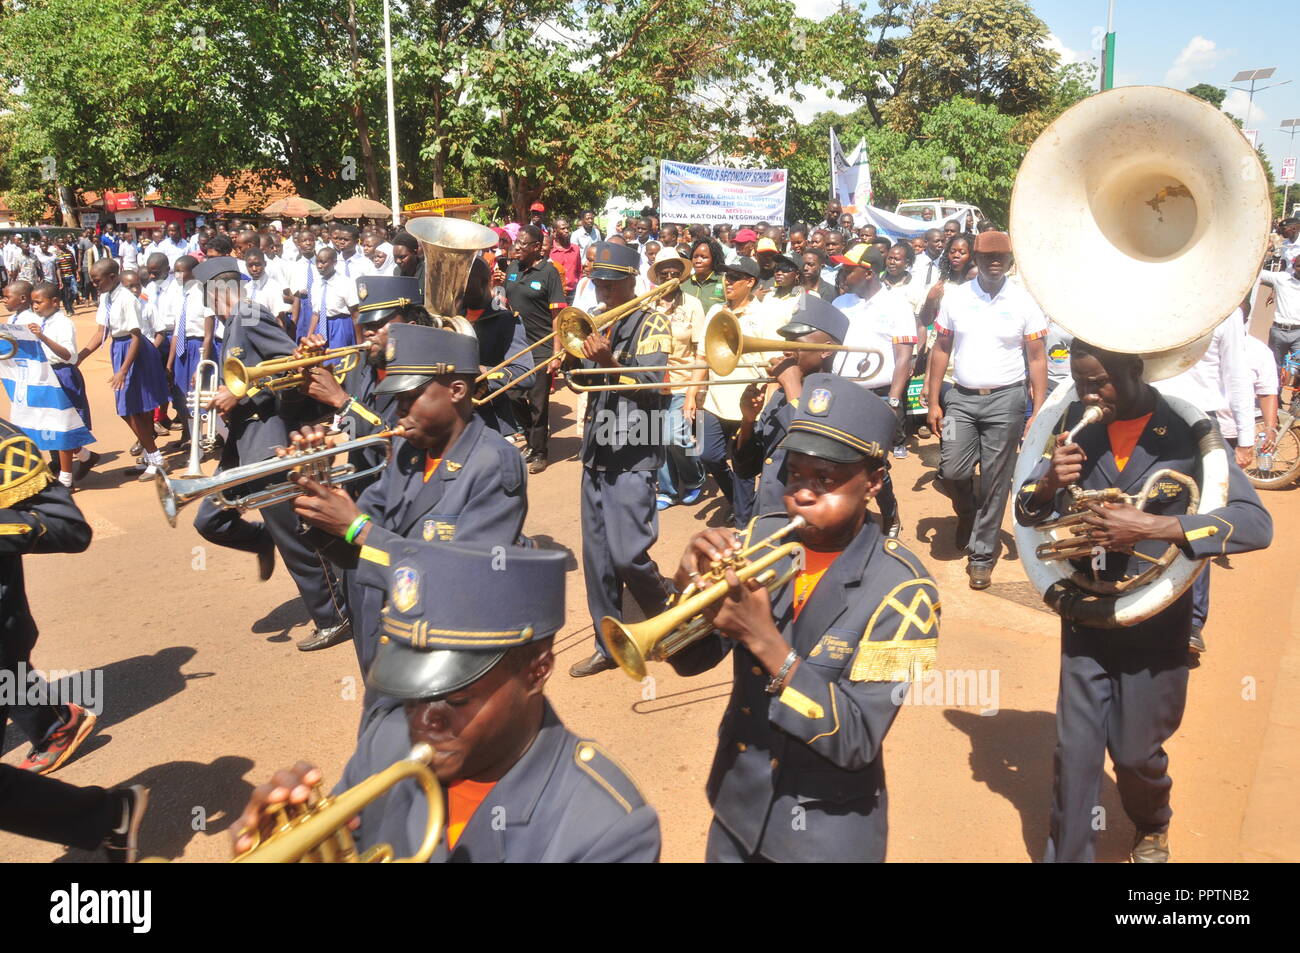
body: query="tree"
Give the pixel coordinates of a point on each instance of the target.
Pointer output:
(1211, 94)
(993, 52)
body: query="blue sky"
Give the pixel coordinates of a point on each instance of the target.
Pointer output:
(1168, 44)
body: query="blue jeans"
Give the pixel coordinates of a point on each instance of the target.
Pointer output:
(715, 452)
(680, 463)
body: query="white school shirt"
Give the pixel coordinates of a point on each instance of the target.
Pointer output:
(878, 322)
(277, 272)
(927, 270)
(119, 313)
(12, 254)
(1263, 367)
(756, 320)
(25, 317)
(192, 304)
(129, 254)
(1286, 293)
(59, 328)
(989, 332)
(161, 299)
(1220, 383)
(333, 296)
(353, 267)
(170, 249)
(291, 253)
(266, 293)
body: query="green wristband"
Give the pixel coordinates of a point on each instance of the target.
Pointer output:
(355, 527)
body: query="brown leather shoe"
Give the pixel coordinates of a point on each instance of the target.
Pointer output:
(981, 575)
(536, 464)
(1150, 848)
(326, 638)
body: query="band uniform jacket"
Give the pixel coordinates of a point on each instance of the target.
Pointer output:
(624, 429)
(364, 414)
(500, 335)
(1167, 441)
(262, 420)
(761, 455)
(798, 777)
(478, 494)
(44, 522)
(564, 801)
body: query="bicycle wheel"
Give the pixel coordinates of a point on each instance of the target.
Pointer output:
(1286, 461)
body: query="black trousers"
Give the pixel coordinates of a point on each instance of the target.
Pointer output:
(55, 811)
(316, 582)
(532, 410)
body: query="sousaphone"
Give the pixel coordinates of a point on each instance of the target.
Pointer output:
(450, 246)
(1138, 220)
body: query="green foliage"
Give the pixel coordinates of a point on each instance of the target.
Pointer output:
(1211, 94)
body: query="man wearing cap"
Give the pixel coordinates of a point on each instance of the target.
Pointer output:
(259, 422)
(785, 295)
(745, 242)
(992, 329)
(720, 415)
(681, 478)
(758, 450)
(822, 663)
(765, 253)
(884, 322)
(623, 448)
(450, 477)
(535, 292)
(465, 675)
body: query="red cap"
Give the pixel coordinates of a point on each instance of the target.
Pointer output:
(746, 235)
(537, 207)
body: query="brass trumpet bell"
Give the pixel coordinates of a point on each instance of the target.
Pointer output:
(283, 373)
(725, 343)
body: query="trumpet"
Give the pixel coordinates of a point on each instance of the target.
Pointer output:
(725, 342)
(572, 327)
(666, 634)
(317, 464)
(283, 373)
(203, 419)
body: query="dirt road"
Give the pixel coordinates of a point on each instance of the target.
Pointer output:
(205, 694)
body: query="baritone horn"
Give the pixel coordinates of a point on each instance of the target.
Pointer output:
(283, 373)
(1156, 189)
(175, 493)
(666, 634)
(725, 342)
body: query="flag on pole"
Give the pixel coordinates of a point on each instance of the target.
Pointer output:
(851, 178)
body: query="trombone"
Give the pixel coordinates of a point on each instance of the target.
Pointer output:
(572, 327)
(317, 464)
(666, 634)
(203, 418)
(283, 373)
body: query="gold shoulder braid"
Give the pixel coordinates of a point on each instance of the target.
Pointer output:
(23, 472)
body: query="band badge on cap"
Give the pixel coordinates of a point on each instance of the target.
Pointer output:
(429, 531)
(819, 401)
(406, 588)
(362, 291)
(390, 351)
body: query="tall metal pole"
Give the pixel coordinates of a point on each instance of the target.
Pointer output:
(1108, 56)
(392, 121)
(1286, 189)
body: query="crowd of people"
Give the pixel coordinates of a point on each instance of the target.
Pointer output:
(875, 345)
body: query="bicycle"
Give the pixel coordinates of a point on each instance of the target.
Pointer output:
(1279, 467)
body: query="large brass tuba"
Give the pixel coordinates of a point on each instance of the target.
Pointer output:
(1121, 208)
(450, 246)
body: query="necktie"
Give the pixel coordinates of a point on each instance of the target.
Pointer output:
(929, 273)
(180, 322)
(320, 313)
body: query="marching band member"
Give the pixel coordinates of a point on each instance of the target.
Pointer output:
(622, 450)
(822, 664)
(449, 476)
(758, 451)
(258, 423)
(500, 333)
(467, 675)
(1124, 692)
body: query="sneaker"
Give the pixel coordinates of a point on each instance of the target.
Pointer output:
(1150, 848)
(122, 843)
(81, 468)
(981, 575)
(1196, 641)
(63, 743)
(592, 666)
(663, 501)
(900, 453)
(137, 449)
(923, 431)
(692, 496)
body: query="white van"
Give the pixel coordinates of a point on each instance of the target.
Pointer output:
(936, 210)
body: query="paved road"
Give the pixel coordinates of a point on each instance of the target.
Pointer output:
(205, 695)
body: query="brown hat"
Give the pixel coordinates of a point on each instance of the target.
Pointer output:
(993, 242)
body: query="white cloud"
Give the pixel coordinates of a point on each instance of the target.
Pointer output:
(1197, 56)
(815, 9)
(1067, 55)
(1236, 102)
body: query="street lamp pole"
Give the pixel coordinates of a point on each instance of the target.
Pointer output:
(1253, 76)
(392, 121)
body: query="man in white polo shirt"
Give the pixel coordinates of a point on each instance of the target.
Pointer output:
(884, 322)
(1284, 335)
(992, 328)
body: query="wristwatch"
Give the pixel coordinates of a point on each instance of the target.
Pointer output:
(894, 401)
(777, 682)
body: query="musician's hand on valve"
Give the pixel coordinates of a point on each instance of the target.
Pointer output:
(328, 508)
(320, 384)
(224, 401)
(705, 549)
(311, 344)
(1118, 526)
(745, 615)
(287, 787)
